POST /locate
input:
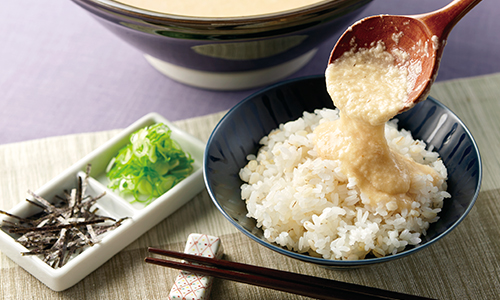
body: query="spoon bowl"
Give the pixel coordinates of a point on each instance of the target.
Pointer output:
(421, 37)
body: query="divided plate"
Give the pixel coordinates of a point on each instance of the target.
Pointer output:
(141, 217)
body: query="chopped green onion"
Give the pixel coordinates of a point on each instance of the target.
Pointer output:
(151, 164)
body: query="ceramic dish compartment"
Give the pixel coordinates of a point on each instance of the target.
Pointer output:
(141, 217)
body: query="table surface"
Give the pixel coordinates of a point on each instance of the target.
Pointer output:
(465, 264)
(63, 73)
(67, 86)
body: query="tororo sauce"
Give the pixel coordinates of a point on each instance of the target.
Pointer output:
(369, 89)
(219, 8)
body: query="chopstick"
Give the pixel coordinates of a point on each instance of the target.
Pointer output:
(315, 287)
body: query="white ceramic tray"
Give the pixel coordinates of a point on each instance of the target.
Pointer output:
(141, 217)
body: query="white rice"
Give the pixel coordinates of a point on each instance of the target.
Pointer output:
(306, 204)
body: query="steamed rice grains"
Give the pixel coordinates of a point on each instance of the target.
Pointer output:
(306, 204)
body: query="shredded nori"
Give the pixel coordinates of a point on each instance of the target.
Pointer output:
(63, 228)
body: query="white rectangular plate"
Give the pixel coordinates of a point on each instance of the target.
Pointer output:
(141, 217)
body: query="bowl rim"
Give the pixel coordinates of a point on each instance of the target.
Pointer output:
(320, 260)
(320, 8)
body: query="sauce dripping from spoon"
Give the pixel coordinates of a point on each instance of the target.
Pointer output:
(422, 37)
(381, 66)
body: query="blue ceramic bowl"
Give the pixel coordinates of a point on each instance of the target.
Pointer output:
(239, 132)
(227, 53)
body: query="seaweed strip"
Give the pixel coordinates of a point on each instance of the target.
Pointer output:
(64, 228)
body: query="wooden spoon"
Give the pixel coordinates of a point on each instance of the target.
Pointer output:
(422, 37)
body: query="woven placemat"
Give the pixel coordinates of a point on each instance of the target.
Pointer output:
(463, 265)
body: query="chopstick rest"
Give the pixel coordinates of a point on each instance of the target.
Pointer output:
(189, 285)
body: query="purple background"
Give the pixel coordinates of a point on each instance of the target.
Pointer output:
(61, 72)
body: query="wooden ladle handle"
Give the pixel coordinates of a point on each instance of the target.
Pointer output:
(441, 21)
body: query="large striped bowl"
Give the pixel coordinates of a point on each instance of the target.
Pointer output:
(239, 132)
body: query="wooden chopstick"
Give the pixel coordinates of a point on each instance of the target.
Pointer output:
(316, 287)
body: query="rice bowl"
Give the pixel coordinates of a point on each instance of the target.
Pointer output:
(239, 132)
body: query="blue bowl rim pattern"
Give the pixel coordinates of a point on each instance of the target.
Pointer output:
(322, 261)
